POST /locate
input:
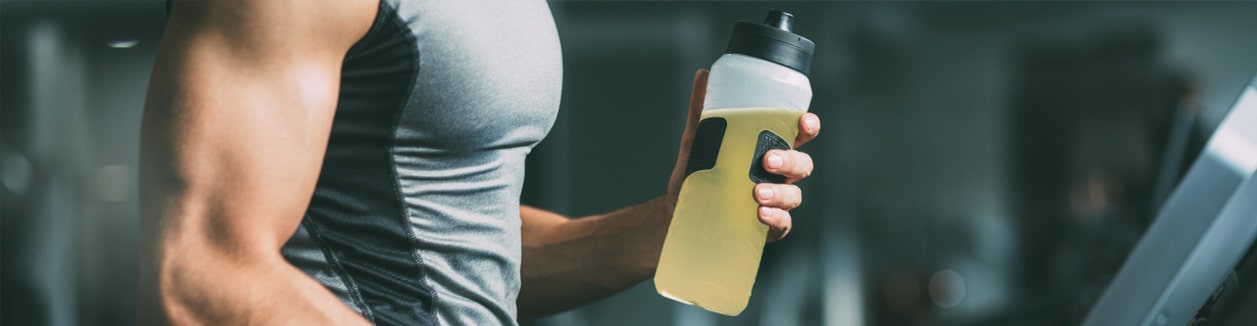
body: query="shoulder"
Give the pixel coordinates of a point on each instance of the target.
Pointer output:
(262, 25)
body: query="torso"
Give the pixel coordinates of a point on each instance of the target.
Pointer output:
(415, 219)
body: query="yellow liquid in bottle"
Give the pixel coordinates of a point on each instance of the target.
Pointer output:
(713, 247)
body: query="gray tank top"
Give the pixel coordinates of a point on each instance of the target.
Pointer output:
(415, 218)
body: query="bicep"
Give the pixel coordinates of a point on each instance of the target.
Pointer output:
(233, 150)
(235, 126)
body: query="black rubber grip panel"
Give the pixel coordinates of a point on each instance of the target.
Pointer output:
(706, 147)
(767, 140)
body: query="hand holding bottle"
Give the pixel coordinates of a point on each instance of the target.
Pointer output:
(774, 210)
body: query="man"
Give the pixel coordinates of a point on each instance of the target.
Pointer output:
(344, 162)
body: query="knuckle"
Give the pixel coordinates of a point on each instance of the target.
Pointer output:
(805, 164)
(779, 218)
(790, 197)
(789, 156)
(798, 195)
(805, 157)
(783, 199)
(800, 171)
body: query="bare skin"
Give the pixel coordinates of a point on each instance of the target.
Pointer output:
(237, 118)
(236, 122)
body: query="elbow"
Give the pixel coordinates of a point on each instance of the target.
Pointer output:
(174, 292)
(190, 283)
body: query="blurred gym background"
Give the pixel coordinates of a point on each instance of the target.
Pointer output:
(980, 163)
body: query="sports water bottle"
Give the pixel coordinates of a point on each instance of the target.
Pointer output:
(756, 93)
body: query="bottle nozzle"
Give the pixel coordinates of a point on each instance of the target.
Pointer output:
(780, 20)
(774, 40)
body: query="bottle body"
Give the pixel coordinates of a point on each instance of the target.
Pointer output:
(712, 251)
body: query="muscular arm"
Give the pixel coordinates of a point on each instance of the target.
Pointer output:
(236, 122)
(569, 262)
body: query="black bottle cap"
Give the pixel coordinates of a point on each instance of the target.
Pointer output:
(773, 41)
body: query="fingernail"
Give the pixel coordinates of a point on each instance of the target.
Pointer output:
(811, 123)
(774, 161)
(765, 193)
(765, 211)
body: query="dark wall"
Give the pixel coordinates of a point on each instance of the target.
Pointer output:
(973, 159)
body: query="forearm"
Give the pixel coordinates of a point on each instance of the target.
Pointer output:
(194, 272)
(569, 262)
(234, 292)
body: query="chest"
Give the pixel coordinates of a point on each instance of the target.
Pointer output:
(489, 74)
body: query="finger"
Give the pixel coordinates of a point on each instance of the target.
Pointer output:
(792, 164)
(781, 196)
(778, 221)
(809, 127)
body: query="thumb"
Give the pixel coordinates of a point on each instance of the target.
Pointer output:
(697, 95)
